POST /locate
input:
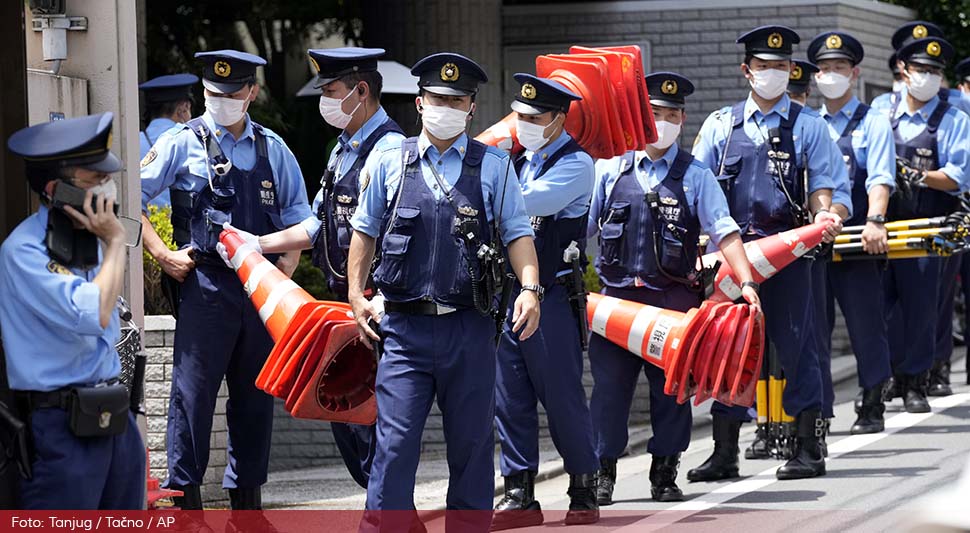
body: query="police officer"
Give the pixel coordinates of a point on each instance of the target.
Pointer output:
(962, 71)
(440, 203)
(864, 136)
(168, 101)
(760, 148)
(932, 158)
(222, 168)
(58, 289)
(800, 81)
(648, 254)
(350, 100)
(557, 179)
(917, 29)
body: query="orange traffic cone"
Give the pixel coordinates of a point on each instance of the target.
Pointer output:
(709, 350)
(306, 344)
(767, 255)
(614, 115)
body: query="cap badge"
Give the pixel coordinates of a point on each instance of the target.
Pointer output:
(796, 73)
(834, 41)
(222, 69)
(669, 87)
(919, 31)
(933, 49)
(775, 40)
(316, 65)
(449, 72)
(528, 91)
(467, 211)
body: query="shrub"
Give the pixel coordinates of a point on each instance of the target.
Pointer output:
(155, 302)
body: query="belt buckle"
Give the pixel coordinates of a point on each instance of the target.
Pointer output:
(443, 309)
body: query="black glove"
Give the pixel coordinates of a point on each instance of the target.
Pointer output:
(908, 177)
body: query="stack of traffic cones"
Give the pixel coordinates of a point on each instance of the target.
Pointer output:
(318, 364)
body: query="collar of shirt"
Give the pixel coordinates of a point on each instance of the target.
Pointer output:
(923, 112)
(847, 110)
(643, 162)
(219, 131)
(536, 158)
(781, 107)
(459, 146)
(353, 143)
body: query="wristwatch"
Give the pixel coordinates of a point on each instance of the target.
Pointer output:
(878, 219)
(538, 289)
(753, 284)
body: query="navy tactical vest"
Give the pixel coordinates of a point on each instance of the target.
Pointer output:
(553, 235)
(245, 198)
(857, 173)
(921, 152)
(750, 179)
(423, 257)
(628, 228)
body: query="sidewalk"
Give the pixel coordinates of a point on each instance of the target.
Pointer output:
(330, 487)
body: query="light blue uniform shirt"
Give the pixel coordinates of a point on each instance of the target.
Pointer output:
(146, 139)
(701, 189)
(52, 334)
(497, 175)
(957, 99)
(952, 138)
(348, 156)
(872, 143)
(810, 136)
(181, 160)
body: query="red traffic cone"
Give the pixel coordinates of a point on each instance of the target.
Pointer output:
(767, 255)
(702, 350)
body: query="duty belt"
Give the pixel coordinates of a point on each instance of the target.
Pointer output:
(32, 400)
(419, 307)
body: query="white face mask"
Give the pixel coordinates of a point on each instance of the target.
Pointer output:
(832, 85)
(769, 83)
(923, 85)
(667, 133)
(332, 111)
(533, 136)
(108, 189)
(898, 85)
(226, 111)
(443, 122)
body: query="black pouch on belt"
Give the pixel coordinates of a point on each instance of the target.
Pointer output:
(99, 411)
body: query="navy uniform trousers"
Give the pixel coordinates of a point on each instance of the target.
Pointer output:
(789, 308)
(912, 304)
(615, 373)
(219, 333)
(71, 472)
(949, 270)
(547, 366)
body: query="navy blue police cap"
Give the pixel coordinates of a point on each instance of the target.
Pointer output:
(74, 142)
(770, 43)
(540, 95)
(227, 71)
(894, 64)
(835, 45)
(169, 88)
(962, 70)
(801, 76)
(334, 63)
(932, 51)
(668, 89)
(917, 29)
(449, 74)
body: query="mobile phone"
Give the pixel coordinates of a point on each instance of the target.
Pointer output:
(67, 194)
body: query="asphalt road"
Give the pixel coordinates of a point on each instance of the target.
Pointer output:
(874, 482)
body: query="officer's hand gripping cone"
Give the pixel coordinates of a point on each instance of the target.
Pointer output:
(714, 350)
(767, 256)
(614, 115)
(318, 365)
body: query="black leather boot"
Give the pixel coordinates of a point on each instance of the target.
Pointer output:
(519, 507)
(870, 412)
(823, 444)
(914, 395)
(893, 388)
(723, 463)
(191, 499)
(663, 479)
(245, 499)
(604, 485)
(759, 447)
(582, 500)
(808, 460)
(939, 382)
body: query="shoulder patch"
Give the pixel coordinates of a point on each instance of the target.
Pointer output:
(149, 157)
(56, 268)
(364, 179)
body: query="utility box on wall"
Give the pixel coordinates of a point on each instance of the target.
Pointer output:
(53, 97)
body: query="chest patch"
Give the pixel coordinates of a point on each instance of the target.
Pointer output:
(267, 196)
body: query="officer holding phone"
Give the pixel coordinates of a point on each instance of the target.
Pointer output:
(59, 336)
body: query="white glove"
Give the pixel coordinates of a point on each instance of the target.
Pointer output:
(250, 241)
(224, 254)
